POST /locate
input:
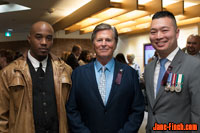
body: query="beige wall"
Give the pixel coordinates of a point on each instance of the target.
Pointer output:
(134, 43)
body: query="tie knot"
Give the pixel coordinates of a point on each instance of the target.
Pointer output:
(103, 68)
(163, 61)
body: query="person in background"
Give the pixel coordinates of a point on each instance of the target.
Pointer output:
(34, 88)
(84, 58)
(172, 79)
(72, 59)
(130, 58)
(193, 46)
(65, 55)
(105, 95)
(120, 57)
(6, 57)
(153, 57)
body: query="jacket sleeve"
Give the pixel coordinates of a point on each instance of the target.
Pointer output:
(4, 104)
(73, 114)
(194, 90)
(137, 109)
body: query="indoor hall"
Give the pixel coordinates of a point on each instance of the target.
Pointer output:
(73, 22)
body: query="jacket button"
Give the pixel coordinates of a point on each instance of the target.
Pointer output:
(44, 104)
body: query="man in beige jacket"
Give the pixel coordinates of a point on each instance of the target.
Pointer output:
(34, 88)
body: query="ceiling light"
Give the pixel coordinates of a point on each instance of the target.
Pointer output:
(131, 15)
(168, 2)
(143, 2)
(111, 21)
(76, 5)
(189, 4)
(99, 17)
(189, 21)
(142, 26)
(123, 30)
(119, 1)
(12, 8)
(125, 24)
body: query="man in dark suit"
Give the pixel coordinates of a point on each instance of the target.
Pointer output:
(105, 95)
(172, 87)
(72, 59)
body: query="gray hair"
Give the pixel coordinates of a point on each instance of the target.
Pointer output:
(104, 26)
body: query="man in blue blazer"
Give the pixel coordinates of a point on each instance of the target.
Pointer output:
(105, 95)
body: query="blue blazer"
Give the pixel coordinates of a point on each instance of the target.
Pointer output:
(123, 112)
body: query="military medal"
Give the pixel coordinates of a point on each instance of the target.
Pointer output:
(168, 85)
(173, 84)
(179, 83)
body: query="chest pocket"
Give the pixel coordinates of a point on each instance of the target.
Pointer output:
(66, 85)
(17, 90)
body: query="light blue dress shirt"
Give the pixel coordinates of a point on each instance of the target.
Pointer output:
(109, 74)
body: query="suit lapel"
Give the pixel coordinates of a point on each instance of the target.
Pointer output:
(176, 64)
(90, 72)
(114, 87)
(151, 81)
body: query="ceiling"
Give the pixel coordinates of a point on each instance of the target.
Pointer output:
(47, 10)
(52, 11)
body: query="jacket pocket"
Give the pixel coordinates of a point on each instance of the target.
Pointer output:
(66, 85)
(17, 89)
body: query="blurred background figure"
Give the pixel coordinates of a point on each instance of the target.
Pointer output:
(193, 46)
(72, 59)
(6, 57)
(153, 57)
(17, 55)
(130, 58)
(65, 55)
(120, 57)
(84, 58)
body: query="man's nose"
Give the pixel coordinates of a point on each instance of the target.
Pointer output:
(159, 35)
(44, 41)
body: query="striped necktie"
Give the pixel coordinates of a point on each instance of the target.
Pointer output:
(102, 84)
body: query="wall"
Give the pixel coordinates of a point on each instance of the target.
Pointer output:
(134, 43)
(58, 34)
(59, 46)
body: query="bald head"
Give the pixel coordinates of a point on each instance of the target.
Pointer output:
(193, 44)
(41, 24)
(40, 40)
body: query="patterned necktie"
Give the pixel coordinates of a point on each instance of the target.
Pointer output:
(102, 84)
(161, 73)
(40, 71)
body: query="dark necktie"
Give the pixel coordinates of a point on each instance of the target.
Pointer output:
(40, 71)
(161, 73)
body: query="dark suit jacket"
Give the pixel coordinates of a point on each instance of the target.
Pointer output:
(123, 112)
(72, 61)
(177, 107)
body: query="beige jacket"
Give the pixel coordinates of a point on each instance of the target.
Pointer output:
(16, 100)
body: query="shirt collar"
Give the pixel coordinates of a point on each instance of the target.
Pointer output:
(35, 62)
(171, 56)
(108, 66)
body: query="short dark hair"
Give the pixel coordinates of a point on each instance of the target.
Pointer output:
(162, 14)
(76, 48)
(104, 26)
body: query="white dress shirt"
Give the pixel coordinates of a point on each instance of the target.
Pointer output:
(36, 63)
